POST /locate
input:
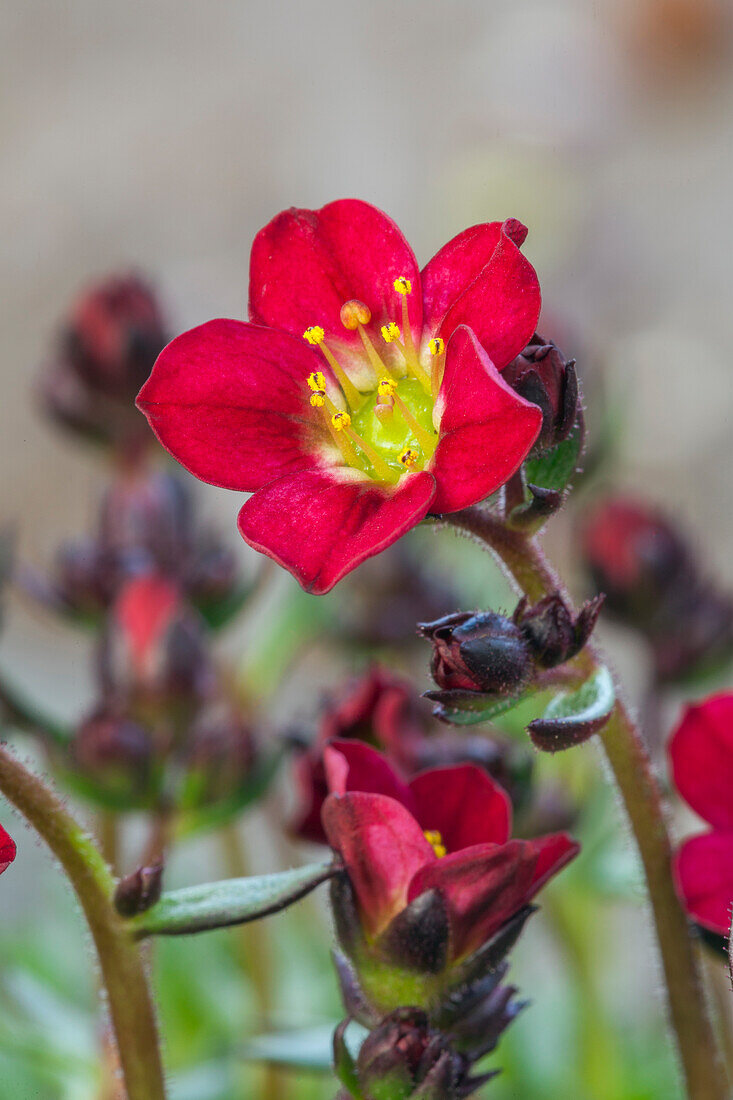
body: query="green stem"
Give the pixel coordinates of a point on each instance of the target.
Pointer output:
(130, 1006)
(642, 797)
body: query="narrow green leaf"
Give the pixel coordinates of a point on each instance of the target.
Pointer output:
(232, 901)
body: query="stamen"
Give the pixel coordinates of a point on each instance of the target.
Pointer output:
(437, 348)
(403, 285)
(409, 457)
(391, 333)
(435, 840)
(354, 315)
(316, 381)
(315, 335)
(341, 421)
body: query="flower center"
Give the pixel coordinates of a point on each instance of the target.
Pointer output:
(435, 840)
(385, 428)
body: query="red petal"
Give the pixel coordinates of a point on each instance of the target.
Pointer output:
(144, 610)
(306, 263)
(321, 525)
(7, 850)
(704, 875)
(458, 263)
(383, 848)
(230, 402)
(483, 887)
(354, 766)
(553, 852)
(701, 752)
(464, 805)
(486, 429)
(502, 305)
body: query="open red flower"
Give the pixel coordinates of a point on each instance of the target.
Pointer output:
(7, 850)
(363, 394)
(447, 830)
(701, 754)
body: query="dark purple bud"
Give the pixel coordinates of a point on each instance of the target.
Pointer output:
(481, 652)
(541, 374)
(218, 756)
(139, 891)
(404, 1056)
(116, 754)
(554, 634)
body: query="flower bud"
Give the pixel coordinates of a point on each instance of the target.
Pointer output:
(218, 756)
(106, 351)
(403, 1053)
(154, 647)
(483, 652)
(117, 755)
(554, 634)
(541, 374)
(139, 891)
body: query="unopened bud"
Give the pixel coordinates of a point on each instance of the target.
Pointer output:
(139, 891)
(542, 375)
(483, 652)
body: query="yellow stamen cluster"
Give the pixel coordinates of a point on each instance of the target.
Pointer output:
(387, 387)
(437, 345)
(409, 457)
(316, 381)
(390, 332)
(403, 285)
(341, 420)
(314, 334)
(435, 840)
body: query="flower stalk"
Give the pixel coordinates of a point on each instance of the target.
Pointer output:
(626, 753)
(128, 994)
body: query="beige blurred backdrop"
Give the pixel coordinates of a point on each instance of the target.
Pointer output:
(161, 135)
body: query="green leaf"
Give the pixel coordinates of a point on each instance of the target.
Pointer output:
(593, 700)
(472, 712)
(554, 469)
(232, 901)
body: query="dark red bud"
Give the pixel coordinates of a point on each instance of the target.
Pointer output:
(554, 634)
(218, 756)
(139, 891)
(542, 375)
(115, 753)
(482, 652)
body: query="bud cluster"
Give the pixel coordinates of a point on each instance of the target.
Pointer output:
(489, 654)
(655, 584)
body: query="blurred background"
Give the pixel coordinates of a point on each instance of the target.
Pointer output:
(160, 138)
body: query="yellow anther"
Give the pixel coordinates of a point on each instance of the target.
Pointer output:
(437, 345)
(391, 332)
(340, 420)
(314, 334)
(355, 313)
(403, 285)
(318, 399)
(435, 840)
(387, 387)
(316, 381)
(409, 458)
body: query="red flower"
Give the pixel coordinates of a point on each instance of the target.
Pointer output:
(447, 830)
(390, 408)
(701, 753)
(7, 850)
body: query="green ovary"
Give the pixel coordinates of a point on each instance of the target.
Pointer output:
(391, 436)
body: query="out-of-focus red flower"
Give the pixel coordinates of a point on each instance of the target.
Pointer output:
(107, 349)
(154, 644)
(446, 831)
(7, 850)
(363, 393)
(701, 754)
(654, 583)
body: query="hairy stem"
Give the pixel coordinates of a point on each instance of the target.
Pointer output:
(130, 1006)
(626, 753)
